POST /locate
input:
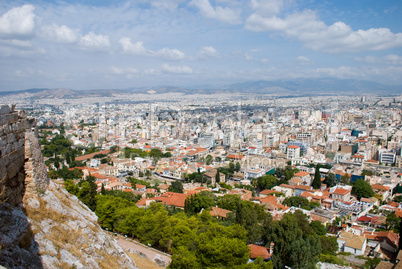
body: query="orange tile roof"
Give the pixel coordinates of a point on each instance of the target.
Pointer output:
(233, 156)
(172, 198)
(293, 147)
(341, 191)
(301, 174)
(259, 251)
(219, 212)
(380, 187)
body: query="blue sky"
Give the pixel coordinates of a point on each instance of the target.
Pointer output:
(122, 44)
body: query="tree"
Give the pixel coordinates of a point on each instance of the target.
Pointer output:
(361, 189)
(103, 191)
(292, 248)
(393, 222)
(329, 245)
(345, 179)
(237, 167)
(176, 186)
(148, 173)
(196, 202)
(317, 178)
(367, 173)
(217, 177)
(330, 180)
(265, 182)
(318, 227)
(209, 159)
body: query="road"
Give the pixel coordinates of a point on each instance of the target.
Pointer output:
(149, 252)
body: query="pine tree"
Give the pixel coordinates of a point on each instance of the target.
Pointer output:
(103, 191)
(317, 178)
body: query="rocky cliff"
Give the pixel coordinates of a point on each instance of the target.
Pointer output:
(42, 225)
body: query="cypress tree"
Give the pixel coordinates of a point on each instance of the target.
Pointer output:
(317, 178)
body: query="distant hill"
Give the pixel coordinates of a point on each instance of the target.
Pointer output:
(321, 86)
(282, 87)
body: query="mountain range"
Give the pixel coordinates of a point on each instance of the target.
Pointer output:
(282, 87)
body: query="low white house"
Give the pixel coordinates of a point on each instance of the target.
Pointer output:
(354, 244)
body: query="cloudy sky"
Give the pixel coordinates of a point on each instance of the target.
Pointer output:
(92, 44)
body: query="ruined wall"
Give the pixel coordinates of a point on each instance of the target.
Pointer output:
(41, 224)
(12, 154)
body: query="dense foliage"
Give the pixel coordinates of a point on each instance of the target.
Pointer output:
(361, 189)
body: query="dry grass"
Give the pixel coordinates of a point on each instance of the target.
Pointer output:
(144, 263)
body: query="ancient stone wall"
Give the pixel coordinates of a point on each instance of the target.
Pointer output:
(12, 154)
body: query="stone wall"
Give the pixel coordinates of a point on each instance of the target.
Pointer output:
(12, 154)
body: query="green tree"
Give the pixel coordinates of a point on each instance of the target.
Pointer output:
(367, 173)
(176, 186)
(393, 222)
(330, 180)
(317, 178)
(103, 191)
(345, 179)
(361, 189)
(329, 245)
(196, 202)
(292, 248)
(237, 167)
(209, 159)
(318, 227)
(217, 177)
(71, 187)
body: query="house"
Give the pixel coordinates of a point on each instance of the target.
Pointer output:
(253, 173)
(172, 199)
(244, 194)
(341, 194)
(382, 190)
(259, 251)
(286, 189)
(211, 176)
(293, 152)
(388, 240)
(305, 177)
(140, 187)
(354, 244)
(267, 192)
(219, 212)
(163, 188)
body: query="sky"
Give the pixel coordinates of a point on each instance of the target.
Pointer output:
(99, 44)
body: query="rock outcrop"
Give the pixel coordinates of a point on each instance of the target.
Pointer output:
(41, 224)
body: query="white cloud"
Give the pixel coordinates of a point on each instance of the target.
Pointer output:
(183, 69)
(315, 34)
(303, 60)
(267, 7)
(170, 54)
(224, 14)
(123, 71)
(59, 34)
(17, 43)
(136, 48)
(18, 21)
(166, 4)
(390, 59)
(93, 41)
(208, 51)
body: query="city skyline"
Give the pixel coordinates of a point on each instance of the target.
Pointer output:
(98, 45)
